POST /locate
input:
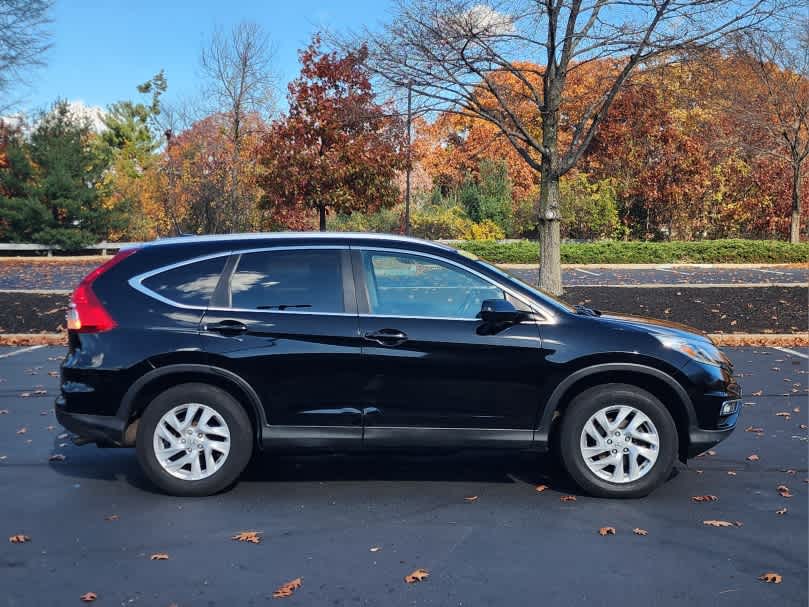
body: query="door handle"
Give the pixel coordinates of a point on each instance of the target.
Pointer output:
(387, 337)
(227, 327)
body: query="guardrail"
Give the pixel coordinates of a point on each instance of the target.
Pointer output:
(102, 248)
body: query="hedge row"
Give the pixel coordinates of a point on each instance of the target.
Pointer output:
(709, 251)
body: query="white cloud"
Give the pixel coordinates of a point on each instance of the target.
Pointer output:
(93, 113)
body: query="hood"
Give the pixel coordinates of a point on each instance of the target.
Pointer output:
(650, 325)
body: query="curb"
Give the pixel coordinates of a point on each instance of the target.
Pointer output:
(721, 339)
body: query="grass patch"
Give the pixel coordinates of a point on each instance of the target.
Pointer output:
(708, 251)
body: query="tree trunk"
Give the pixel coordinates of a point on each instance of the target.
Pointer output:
(795, 222)
(322, 210)
(550, 255)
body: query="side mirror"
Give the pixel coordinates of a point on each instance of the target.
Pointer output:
(500, 311)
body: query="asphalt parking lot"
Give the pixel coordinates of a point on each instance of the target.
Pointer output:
(93, 522)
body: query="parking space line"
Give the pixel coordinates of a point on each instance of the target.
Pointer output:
(21, 351)
(768, 271)
(793, 352)
(662, 269)
(587, 272)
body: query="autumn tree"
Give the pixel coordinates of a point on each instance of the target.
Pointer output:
(336, 150)
(452, 53)
(777, 111)
(23, 39)
(240, 86)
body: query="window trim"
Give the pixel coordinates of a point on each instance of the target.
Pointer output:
(136, 282)
(545, 316)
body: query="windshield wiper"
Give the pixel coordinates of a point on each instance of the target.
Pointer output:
(283, 306)
(585, 311)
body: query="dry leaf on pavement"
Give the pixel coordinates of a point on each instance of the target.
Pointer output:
(89, 597)
(770, 577)
(471, 498)
(567, 498)
(286, 590)
(784, 491)
(754, 429)
(753, 458)
(19, 539)
(56, 457)
(22, 430)
(704, 498)
(419, 575)
(606, 531)
(757, 393)
(714, 523)
(159, 556)
(254, 537)
(540, 488)
(782, 511)
(375, 548)
(3, 411)
(111, 517)
(639, 531)
(783, 414)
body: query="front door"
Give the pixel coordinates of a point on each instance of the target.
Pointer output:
(434, 373)
(287, 324)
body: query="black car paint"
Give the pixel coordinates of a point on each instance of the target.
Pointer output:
(314, 380)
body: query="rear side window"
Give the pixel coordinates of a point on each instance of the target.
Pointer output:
(300, 280)
(191, 284)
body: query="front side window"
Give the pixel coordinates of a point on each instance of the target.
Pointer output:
(399, 284)
(191, 284)
(297, 280)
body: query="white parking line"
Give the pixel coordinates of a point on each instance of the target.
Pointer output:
(587, 272)
(20, 351)
(769, 271)
(672, 271)
(793, 352)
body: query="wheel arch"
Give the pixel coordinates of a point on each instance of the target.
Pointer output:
(659, 383)
(148, 386)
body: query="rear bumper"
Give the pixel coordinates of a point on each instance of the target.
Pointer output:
(102, 429)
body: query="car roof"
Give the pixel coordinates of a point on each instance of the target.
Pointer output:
(304, 237)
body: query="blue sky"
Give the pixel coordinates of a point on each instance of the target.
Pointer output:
(103, 48)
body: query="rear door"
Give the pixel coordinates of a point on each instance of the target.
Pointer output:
(285, 320)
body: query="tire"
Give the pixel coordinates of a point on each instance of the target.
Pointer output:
(611, 472)
(219, 459)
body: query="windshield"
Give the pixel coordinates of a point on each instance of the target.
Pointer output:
(542, 295)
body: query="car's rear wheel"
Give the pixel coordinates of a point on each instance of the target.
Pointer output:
(618, 440)
(194, 439)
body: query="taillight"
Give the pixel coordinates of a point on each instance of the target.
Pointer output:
(87, 314)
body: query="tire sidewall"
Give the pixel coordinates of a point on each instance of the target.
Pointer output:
(239, 426)
(594, 399)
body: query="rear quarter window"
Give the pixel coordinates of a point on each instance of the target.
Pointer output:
(192, 284)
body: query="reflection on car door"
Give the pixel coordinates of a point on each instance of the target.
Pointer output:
(434, 375)
(285, 318)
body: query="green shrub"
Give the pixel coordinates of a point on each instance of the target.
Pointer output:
(485, 230)
(610, 251)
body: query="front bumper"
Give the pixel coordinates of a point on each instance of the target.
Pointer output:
(105, 430)
(700, 439)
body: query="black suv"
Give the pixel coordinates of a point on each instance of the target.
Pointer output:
(199, 351)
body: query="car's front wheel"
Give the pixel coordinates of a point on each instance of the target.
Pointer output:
(193, 440)
(618, 440)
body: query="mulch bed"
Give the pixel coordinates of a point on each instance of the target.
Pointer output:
(715, 310)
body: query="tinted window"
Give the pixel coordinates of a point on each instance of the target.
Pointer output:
(307, 281)
(411, 285)
(192, 284)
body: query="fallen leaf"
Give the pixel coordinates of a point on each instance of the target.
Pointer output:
(419, 575)
(784, 491)
(540, 488)
(89, 597)
(710, 453)
(375, 548)
(639, 531)
(753, 458)
(715, 523)
(286, 590)
(19, 539)
(567, 498)
(111, 517)
(606, 531)
(22, 430)
(56, 457)
(731, 473)
(754, 429)
(804, 426)
(704, 498)
(3, 411)
(159, 556)
(783, 414)
(782, 511)
(254, 537)
(796, 409)
(770, 577)
(471, 498)
(757, 393)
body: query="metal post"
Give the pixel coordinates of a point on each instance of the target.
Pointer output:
(408, 169)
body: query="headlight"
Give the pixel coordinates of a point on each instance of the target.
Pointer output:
(700, 351)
